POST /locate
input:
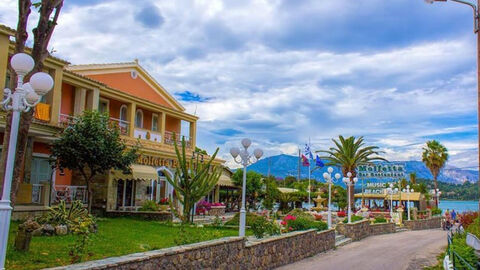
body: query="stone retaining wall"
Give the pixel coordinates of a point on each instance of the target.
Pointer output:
(382, 228)
(224, 253)
(355, 231)
(148, 215)
(424, 224)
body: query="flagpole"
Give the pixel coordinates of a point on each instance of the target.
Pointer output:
(299, 157)
(309, 171)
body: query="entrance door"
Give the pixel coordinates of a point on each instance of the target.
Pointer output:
(125, 194)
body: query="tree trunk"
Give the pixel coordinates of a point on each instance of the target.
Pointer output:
(436, 187)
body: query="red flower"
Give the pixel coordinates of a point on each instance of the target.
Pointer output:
(341, 214)
(283, 222)
(290, 228)
(289, 217)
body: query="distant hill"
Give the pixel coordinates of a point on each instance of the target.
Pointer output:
(285, 165)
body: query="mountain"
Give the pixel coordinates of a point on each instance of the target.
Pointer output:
(285, 165)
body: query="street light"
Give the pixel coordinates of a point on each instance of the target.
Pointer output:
(391, 191)
(476, 18)
(328, 178)
(25, 97)
(408, 191)
(245, 159)
(349, 184)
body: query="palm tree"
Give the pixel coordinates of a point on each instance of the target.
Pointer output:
(348, 154)
(435, 155)
(413, 178)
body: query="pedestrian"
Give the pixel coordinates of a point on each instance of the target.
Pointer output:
(453, 215)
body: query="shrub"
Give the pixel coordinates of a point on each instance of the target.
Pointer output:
(251, 217)
(74, 217)
(302, 223)
(380, 219)
(474, 227)
(300, 213)
(436, 211)
(341, 214)
(262, 226)
(149, 205)
(460, 246)
(354, 219)
(467, 218)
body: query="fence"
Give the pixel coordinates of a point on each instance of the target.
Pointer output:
(69, 193)
(456, 260)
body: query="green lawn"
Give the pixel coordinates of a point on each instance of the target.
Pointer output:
(115, 237)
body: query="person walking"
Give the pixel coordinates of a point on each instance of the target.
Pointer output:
(453, 215)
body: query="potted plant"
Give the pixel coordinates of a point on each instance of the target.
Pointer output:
(163, 203)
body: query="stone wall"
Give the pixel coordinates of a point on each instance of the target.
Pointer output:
(355, 231)
(424, 224)
(148, 215)
(224, 253)
(382, 228)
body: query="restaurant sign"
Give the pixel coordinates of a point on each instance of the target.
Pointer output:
(156, 161)
(381, 171)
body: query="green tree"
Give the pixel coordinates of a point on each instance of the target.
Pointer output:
(48, 14)
(403, 183)
(435, 156)
(193, 179)
(254, 185)
(271, 192)
(92, 146)
(339, 196)
(348, 154)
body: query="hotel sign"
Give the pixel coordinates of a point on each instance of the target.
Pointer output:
(156, 161)
(381, 171)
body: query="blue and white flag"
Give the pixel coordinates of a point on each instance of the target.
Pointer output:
(319, 162)
(308, 152)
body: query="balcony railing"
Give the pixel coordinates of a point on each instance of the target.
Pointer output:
(123, 125)
(66, 120)
(70, 194)
(145, 134)
(169, 139)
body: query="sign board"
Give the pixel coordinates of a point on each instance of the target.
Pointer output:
(383, 171)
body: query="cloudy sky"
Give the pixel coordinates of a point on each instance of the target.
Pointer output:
(398, 72)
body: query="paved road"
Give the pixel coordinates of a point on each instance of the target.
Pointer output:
(398, 251)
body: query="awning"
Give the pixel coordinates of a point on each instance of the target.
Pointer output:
(225, 181)
(139, 172)
(414, 196)
(287, 190)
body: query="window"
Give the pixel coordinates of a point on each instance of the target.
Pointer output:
(139, 118)
(123, 113)
(103, 106)
(41, 170)
(154, 122)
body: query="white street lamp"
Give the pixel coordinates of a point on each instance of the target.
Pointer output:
(245, 160)
(328, 178)
(349, 184)
(408, 191)
(391, 190)
(25, 97)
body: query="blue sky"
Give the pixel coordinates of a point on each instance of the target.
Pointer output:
(398, 72)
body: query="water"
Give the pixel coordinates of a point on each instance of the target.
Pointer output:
(459, 206)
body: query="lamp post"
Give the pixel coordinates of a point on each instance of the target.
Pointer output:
(391, 191)
(349, 184)
(26, 96)
(476, 23)
(437, 195)
(245, 160)
(408, 191)
(328, 178)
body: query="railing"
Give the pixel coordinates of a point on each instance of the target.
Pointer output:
(457, 261)
(121, 124)
(37, 191)
(169, 139)
(69, 193)
(146, 134)
(66, 120)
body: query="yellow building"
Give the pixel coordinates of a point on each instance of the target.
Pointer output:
(135, 101)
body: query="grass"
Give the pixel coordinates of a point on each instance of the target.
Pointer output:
(115, 237)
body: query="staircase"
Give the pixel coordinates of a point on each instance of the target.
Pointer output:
(341, 240)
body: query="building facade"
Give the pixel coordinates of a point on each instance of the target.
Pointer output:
(142, 109)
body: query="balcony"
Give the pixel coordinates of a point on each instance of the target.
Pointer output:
(145, 134)
(123, 125)
(69, 194)
(169, 139)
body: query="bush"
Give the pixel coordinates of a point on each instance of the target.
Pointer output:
(149, 205)
(74, 217)
(380, 219)
(300, 213)
(460, 246)
(262, 227)
(251, 218)
(467, 218)
(474, 227)
(436, 211)
(341, 214)
(354, 219)
(302, 223)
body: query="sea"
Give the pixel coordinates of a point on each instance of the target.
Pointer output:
(459, 206)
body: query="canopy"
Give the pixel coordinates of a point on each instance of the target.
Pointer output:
(225, 181)
(139, 172)
(414, 196)
(287, 190)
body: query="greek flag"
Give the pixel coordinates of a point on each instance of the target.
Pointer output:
(308, 153)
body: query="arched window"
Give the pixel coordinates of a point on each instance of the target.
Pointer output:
(139, 118)
(123, 112)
